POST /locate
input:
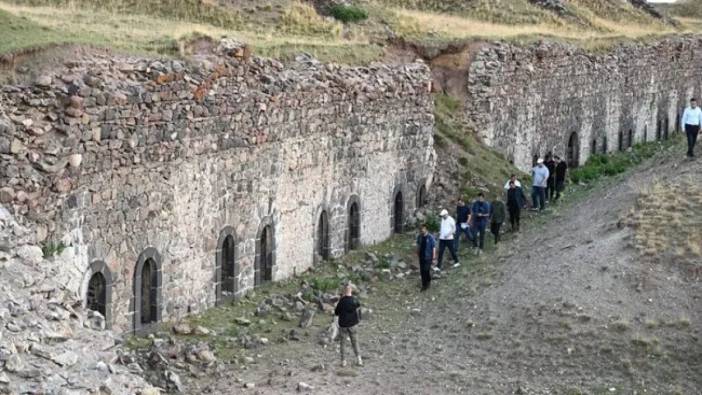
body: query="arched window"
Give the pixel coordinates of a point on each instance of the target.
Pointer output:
(630, 138)
(353, 239)
(667, 127)
(265, 254)
(573, 151)
(398, 209)
(98, 290)
(422, 195)
(593, 147)
(147, 290)
(659, 130)
(605, 148)
(621, 141)
(226, 266)
(323, 235)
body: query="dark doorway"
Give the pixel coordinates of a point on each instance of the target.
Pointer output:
(149, 285)
(229, 267)
(630, 138)
(604, 145)
(96, 299)
(264, 257)
(620, 143)
(593, 147)
(323, 236)
(645, 136)
(354, 226)
(398, 213)
(573, 151)
(534, 159)
(422, 196)
(659, 130)
(667, 128)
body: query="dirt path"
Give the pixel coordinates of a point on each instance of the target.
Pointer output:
(575, 311)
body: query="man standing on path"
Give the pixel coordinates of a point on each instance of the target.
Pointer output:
(347, 310)
(480, 213)
(446, 234)
(463, 219)
(538, 190)
(497, 217)
(426, 252)
(561, 170)
(515, 201)
(551, 182)
(692, 119)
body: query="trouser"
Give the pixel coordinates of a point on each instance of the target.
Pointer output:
(479, 236)
(514, 214)
(459, 231)
(550, 188)
(495, 230)
(425, 272)
(451, 244)
(351, 333)
(538, 197)
(560, 185)
(692, 131)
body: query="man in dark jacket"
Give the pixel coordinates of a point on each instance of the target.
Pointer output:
(426, 252)
(347, 310)
(462, 222)
(551, 183)
(497, 217)
(480, 213)
(515, 202)
(561, 171)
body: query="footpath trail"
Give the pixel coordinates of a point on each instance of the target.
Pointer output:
(569, 306)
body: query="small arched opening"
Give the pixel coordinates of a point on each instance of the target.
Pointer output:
(147, 290)
(666, 127)
(98, 291)
(573, 150)
(645, 133)
(605, 148)
(593, 147)
(323, 236)
(265, 254)
(630, 138)
(422, 196)
(659, 130)
(353, 239)
(226, 266)
(620, 141)
(398, 213)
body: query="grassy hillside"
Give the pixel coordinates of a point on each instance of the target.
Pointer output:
(281, 28)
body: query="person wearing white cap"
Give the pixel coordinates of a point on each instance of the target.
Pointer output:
(540, 176)
(447, 232)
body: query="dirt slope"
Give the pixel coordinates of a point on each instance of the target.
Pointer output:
(575, 311)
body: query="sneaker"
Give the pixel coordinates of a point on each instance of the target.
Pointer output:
(359, 361)
(480, 252)
(457, 264)
(436, 269)
(476, 252)
(343, 363)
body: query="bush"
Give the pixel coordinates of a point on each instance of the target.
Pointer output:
(610, 165)
(348, 13)
(325, 284)
(51, 248)
(432, 221)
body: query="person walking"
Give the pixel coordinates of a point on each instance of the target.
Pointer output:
(513, 178)
(538, 190)
(480, 214)
(347, 311)
(463, 220)
(561, 171)
(550, 164)
(515, 202)
(426, 252)
(692, 119)
(447, 232)
(497, 217)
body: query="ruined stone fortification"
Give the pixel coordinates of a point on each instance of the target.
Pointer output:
(526, 101)
(183, 184)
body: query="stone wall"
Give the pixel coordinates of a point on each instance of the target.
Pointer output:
(134, 163)
(527, 101)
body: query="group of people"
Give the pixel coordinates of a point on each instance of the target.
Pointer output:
(548, 181)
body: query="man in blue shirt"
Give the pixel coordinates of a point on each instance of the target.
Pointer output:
(480, 215)
(426, 252)
(540, 176)
(692, 119)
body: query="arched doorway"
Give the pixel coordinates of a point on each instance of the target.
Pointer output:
(422, 196)
(229, 267)
(265, 255)
(630, 138)
(620, 144)
(573, 151)
(605, 148)
(666, 127)
(398, 213)
(147, 290)
(593, 147)
(659, 130)
(323, 235)
(354, 225)
(96, 296)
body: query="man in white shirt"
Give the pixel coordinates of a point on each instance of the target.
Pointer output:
(446, 234)
(692, 119)
(540, 175)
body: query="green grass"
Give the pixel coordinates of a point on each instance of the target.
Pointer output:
(348, 13)
(52, 248)
(20, 33)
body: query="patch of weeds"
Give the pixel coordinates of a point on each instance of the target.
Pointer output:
(383, 263)
(619, 326)
(432, 221)
(484, 336)
(52, 248)
(682, 323)
(324, 284)
(651, 324)
(348, 13)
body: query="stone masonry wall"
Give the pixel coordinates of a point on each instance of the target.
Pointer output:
(122, 158)
(527, 101)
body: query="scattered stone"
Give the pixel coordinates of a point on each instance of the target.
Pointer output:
(250, 385)
(182, 328)
(68, 358)
(242, 321)
(43, 81)
(14, 364)
(304, 387)
(201, 331)
(206, 356)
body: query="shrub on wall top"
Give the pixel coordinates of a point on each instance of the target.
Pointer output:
(348, 13)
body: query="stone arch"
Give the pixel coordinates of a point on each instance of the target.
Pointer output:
(398, 210)
(422, 194)
(226, 266)
(353, 223)
(573, 150)
(322, 244)
(147, 290)
(98, 290)
(265, 252)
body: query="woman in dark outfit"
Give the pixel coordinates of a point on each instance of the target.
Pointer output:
(347, 310)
